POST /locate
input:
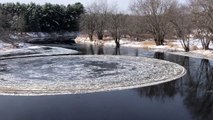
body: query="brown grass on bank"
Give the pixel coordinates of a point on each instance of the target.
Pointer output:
(171, 44)
(194, 47)
(146, 47)
(148, 43)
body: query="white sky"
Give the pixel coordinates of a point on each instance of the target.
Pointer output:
(123, 4)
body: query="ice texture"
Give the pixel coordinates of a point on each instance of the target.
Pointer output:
(75, 74)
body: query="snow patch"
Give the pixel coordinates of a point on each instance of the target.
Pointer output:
(170, 46)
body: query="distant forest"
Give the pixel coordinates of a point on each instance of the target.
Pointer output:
(40, 18)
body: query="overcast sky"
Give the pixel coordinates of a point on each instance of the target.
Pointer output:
(123, 4)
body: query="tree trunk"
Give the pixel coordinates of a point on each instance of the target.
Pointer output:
(91, 37)
(205, 43)
(117, 51)
(159, 40)
(117, 43)
(137, 38)
(185, 44)
(100, 35)
(186, 49)
(162, 41)
(206, 47)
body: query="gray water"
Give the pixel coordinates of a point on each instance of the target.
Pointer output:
(188, 98)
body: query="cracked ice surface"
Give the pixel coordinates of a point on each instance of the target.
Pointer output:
(77, 74)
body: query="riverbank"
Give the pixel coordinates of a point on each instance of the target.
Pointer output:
(171, 46)
(27, 50)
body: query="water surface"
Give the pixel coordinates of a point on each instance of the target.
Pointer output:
(188, 98)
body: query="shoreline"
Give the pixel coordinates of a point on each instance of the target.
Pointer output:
(149, 45)
(197, 53)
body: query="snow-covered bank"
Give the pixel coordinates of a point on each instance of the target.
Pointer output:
(43, 37)
(148, 44)
(32, 51)
(208, 54)
(172, 47)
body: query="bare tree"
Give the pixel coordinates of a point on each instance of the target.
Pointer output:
(96, 18)
(205, 37)
(4, 28)
(116, 26)
(156, 16)
(135, 26)
(102, 11)
(18, 24)
(88, 21)
(181, 19)
(203, 14)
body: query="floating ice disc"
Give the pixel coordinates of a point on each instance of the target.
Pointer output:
(77, 74)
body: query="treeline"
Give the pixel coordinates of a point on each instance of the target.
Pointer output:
(101, 17)
(40, 18)
(157, 19)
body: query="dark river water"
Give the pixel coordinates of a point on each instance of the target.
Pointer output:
(188, 98)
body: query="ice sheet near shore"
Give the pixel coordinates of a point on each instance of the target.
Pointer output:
(32, 51)
(77, 74)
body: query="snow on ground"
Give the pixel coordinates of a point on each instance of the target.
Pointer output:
(37, 35)
(203, 54)
(27, 50)
(173, 47)
(5, 46)
(197, 43)
(43, 34)
(148, 44)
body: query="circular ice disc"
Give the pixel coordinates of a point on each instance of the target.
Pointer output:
(77, 74)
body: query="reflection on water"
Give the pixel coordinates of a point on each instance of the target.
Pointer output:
(159, 55)
(198, 98)
(195, 88)
(189, 98)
